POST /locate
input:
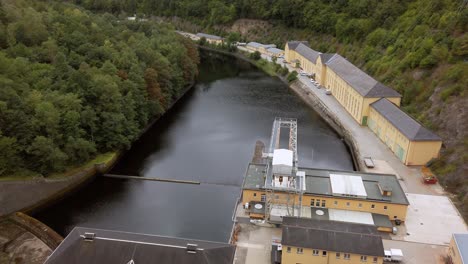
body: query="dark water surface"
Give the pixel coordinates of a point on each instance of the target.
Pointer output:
(208, 136)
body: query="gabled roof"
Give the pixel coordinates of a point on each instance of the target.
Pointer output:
(293, 44)
(208, 36)
(121, 247)
(403, 122)
(331, 236)
(364, 84)
(325, 57)
(308, 53)
(462, 244)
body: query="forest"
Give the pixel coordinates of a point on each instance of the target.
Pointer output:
(75, 84)
(418, 47)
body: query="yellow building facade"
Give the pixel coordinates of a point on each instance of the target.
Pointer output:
(384, 193)
(458, 249)
(354, 89)
(407, 139)
(392, 210)
(325, 242)
(212, 39)
(294, 255)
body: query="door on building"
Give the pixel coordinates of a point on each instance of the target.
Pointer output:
(263, 198)
(400, 153)
(364, 120)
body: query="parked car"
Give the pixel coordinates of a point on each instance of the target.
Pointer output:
(393, 255)
(427, 176)
(328, 92)
(303, 73)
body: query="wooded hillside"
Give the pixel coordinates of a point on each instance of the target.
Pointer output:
(74, 84)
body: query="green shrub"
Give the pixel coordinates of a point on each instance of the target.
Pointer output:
(451, 91)
(255, 56)
(292, 76)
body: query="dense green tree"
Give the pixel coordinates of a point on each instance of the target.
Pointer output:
(75, 84)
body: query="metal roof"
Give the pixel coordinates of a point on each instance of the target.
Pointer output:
(403, 122)
(317, 182)
(462, 244)
(293, 44)
(347, 185)
(260, 45)
(331, 236)
(275, 50)
(351, 216)
(208, 36)
(308, 53)
(121, 247)
(364, 84)
(325, 57)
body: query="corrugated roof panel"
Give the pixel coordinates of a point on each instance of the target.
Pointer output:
(346, 185)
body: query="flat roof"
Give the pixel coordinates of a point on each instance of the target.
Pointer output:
(208, 36)
(351, 216)
(409, 127)
(275, 50)
(254, 176)
(260, 45)
(317, 182)
(332, 236)
(462, 244)
(142, 248)
(344, 185)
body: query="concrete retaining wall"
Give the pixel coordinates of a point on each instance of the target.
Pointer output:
(29, 195)
(38, 229)
(313, 101)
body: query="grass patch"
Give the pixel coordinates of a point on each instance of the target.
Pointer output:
(268, 67)
(101, 158)
(29, 175)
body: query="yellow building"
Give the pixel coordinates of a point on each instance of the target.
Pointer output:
(266, 49)
(212, 39)
(410, 141)
(299, 51)
(458, 249)
(312, 241)
(379, 194)
(354, 89)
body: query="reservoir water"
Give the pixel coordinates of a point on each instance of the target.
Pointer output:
(208, 136)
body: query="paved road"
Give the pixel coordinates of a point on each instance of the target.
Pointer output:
(415, 253)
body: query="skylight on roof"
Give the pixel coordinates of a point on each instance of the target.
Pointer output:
(347, 185)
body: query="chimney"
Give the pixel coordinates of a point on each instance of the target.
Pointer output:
(385, 190)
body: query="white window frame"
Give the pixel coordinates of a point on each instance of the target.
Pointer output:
(315, 252)
(300, 251)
